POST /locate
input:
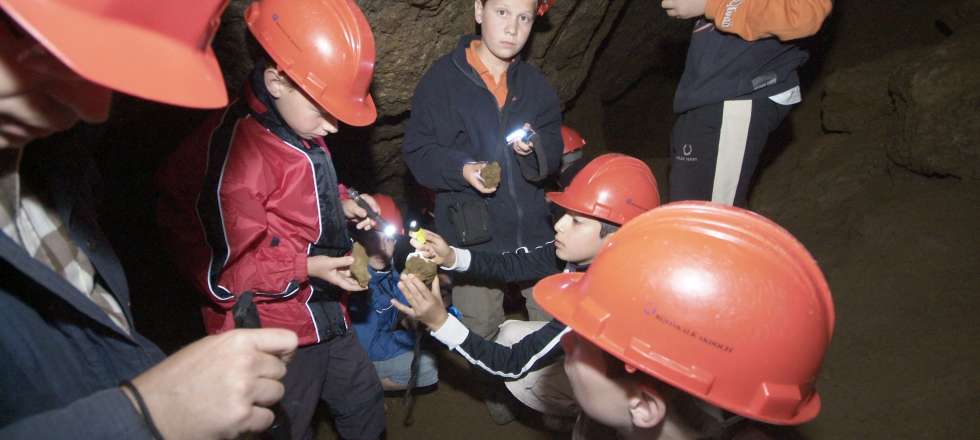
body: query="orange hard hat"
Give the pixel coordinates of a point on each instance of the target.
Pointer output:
(612, 187)
(153, 50)
(715, 300)
(390, 212)
(571, 140)
(326, 47)
(544, 6)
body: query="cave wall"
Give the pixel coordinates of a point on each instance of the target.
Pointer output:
(409, 36)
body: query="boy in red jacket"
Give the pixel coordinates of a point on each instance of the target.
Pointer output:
(265, 237)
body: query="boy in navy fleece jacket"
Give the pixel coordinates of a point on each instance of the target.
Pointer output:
(462, 111)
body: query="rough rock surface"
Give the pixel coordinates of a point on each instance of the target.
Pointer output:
(925, 102)
(423, 269)
(359, 269)
(885, 194)
(491, 175)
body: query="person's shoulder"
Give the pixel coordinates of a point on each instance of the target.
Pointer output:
(438, 73)
(535, 78)
(250, 134)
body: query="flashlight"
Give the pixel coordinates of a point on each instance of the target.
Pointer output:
(371, 213)
(389, 230)
(521, 134)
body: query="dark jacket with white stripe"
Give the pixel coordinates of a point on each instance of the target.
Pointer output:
(722, 66)
(539, 348)
(744, 50)
(269, 200)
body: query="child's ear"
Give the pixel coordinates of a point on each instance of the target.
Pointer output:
(647, 408)
(274, 82)
(478, 11)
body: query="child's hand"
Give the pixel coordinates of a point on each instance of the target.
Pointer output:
(684, 8)
(435, 249)
(521, 148)
(471, 172)
(354, 212)
(426, 304)
(335, 271)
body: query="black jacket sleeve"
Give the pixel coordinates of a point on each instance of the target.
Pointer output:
(548, 147)
(426, 148)
(537, 350)
(515, 267)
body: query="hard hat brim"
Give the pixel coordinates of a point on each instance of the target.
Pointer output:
(562, 199)
(357, 114)
(123, 57)
(562, 296)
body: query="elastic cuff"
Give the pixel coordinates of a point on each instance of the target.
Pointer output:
(452, 333)
(462, 263)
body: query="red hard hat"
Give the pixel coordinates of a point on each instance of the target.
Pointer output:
(150, 49)
(390, 212)
(612, 187)
(326, 47)
(715, 300)
(544, 6)
(571, 140)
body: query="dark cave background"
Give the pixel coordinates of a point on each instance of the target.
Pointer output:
(877, 172)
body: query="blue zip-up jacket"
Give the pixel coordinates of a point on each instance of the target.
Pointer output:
(376, 321)
(455, 120)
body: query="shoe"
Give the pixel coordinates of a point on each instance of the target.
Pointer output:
(500, 413)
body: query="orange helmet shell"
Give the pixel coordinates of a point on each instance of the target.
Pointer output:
(612, 187)
(326, 47)
(390, 212)
(571, 139)
(150, 49)
(544, 6)
(715, 300)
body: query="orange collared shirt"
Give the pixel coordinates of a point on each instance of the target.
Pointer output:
(499, 90)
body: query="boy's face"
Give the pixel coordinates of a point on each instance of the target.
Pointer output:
(604, 399)
(298, 111)
(505, 25)
(577, 238)
(39, 95)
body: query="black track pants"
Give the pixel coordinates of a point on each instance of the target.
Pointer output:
(714, 149)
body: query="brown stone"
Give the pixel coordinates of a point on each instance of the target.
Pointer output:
(360, 267)
(491, 175)
(422, 269)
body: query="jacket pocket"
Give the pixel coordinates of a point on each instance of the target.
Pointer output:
(471, 219)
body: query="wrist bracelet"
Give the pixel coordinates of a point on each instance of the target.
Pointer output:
(147, 418)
